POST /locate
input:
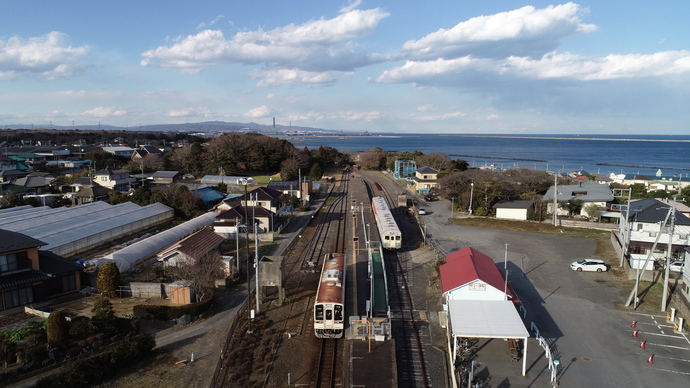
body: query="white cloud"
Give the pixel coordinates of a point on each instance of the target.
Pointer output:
(469, 71)
(46, 57)
(189, 112)
(612, 66)
(104, 112)
(445, 116)
(426, 108)
(296, 77)
(525, 31)
(213, 22)
(316, 46)
(343, 116)
(258, 112)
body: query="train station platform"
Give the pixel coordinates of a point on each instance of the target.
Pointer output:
(371, 364)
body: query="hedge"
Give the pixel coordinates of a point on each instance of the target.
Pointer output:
(167, 313)
(95, 369)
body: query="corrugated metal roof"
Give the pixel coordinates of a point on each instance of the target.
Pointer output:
(485, 319)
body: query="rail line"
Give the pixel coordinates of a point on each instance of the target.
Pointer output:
(406, 328)
(325, 376)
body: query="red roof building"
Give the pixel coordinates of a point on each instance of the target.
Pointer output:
(471, 275)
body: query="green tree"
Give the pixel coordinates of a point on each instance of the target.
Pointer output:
(57, 329)
(108, 279)
(573, 206)
(142, 196)
(594, 212)
(316, 172)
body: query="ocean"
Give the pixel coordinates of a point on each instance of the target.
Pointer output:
(603, 154)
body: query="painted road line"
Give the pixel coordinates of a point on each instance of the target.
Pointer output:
(664, 335)
(671, 371)
(667, 346)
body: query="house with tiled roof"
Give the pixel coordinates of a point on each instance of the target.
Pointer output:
(471, 275)
(113, 178)
(425, 179)
(191, 249)
(29, 275)
(264, 197)
(593, 194)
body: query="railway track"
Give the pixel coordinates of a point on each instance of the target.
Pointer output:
(326, 370)
(325, 233)
(408, 330)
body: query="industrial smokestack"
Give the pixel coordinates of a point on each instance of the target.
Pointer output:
(274, 123)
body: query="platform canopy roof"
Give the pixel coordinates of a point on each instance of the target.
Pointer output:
(485, 319)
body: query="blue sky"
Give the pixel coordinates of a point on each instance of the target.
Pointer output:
(597, 67)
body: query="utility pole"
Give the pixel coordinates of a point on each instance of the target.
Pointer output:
(555, 199)
(256, 257)
(669, 250)
(623, 233)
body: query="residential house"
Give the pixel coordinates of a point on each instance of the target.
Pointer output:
(120, 151)
(144, 154)
(115, 179)
(258, 207)
(229, 222)
(29, 275)
(11, 169)
(303, 191)
(425, 179)
(166, 177)
(593, 194)
(513, 210)
(471, 275)
(646, 225)
(192, 249)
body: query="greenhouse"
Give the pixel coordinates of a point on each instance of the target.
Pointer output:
(130, 257)
(71, 230)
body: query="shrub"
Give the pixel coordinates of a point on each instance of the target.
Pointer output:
(80, 327)
(57, 329)
(104, 316)
(108, 279)
(94, 370)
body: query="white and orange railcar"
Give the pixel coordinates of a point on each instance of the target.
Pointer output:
(329, 307)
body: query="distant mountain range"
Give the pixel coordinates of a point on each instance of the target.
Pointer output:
(203, 127)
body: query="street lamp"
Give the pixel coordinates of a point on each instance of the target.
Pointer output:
(471, 194)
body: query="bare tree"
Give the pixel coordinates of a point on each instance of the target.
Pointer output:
(201, 270)
(436, 160)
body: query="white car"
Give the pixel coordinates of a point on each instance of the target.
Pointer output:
(589, 265)
(422, 211)
(676, 266)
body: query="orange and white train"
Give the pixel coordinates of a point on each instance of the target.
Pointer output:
(329, 307)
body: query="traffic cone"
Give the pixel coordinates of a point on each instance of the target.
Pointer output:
(643, 345)
(635, 333)
(634, 323)
(651, 359)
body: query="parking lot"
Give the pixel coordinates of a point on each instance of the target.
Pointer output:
(579, 313)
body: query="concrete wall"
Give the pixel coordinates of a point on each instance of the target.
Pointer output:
(150, 290)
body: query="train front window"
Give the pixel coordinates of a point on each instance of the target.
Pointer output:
(338, 313)
(397, 238)
(318, 312)
(329, 315)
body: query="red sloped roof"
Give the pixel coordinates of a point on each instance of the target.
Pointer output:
(467, 265)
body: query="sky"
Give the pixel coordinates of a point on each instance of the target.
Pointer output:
(445, 66)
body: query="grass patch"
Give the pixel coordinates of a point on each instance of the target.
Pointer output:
(527, 226)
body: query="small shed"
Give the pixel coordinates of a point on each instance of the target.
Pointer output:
(181, 293)
(513, 210)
